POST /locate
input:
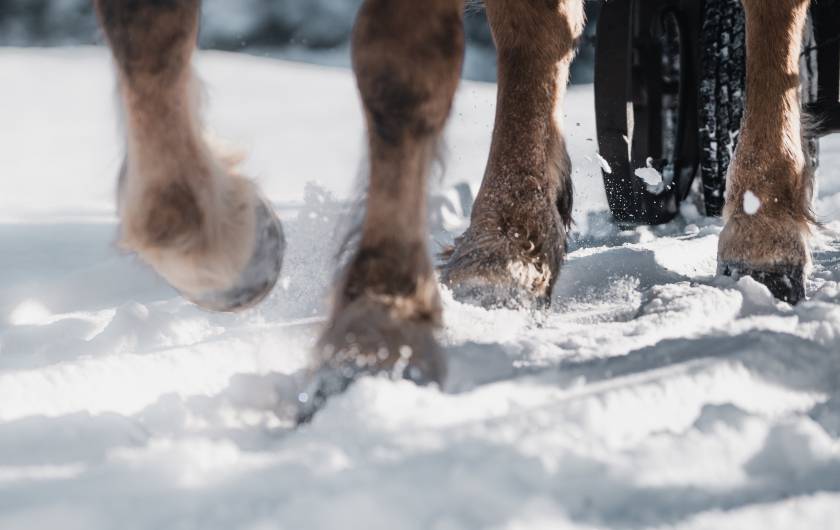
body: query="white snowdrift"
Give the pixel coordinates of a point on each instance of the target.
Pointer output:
(652, 395)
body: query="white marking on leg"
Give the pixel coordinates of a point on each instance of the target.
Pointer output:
(751, 203)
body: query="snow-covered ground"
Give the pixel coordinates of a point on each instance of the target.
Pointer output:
(652, 395)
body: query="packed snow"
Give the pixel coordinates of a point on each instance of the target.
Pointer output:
(651, 395)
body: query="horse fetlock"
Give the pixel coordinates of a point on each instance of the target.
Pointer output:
(398, 275)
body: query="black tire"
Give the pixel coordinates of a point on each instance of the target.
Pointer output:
(722, 95)
(646, 104)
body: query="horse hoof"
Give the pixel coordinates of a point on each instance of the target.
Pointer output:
(497, 271)
(333, 379)
(260, 274)
(501, 294)
(770, 248)
(366, 337)
(786, 283)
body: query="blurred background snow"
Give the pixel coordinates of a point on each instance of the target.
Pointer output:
(315, 31)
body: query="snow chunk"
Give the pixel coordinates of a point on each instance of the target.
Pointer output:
(650, 176)
(604, 164)
(757, 297)
(751, 203)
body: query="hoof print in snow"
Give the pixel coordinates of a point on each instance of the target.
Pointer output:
(785, 283)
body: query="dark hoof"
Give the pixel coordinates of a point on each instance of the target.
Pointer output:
(260, 274)
(366, 338)
(785, 283)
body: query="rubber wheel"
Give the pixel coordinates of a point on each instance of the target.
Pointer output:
(645, 102)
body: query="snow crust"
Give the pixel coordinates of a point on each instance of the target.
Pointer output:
(651, 395)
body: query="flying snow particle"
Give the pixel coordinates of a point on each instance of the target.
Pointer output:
(650, 176)
(751, 203)
(604, 164)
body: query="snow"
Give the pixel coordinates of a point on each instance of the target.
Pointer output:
(751, 203)
(651, 177)
(605, 166)
(651, 395)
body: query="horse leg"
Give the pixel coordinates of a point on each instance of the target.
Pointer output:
(183, 210)
(407, 56)
(770, 180)
(512, 252)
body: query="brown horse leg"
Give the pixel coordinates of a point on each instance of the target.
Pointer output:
(770, 181)
(183, 210)
(512, 252)
(407, 57)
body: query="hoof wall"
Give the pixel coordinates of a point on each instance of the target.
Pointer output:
(492, 271)
(496, 296)
(260, 274)
(785, 283)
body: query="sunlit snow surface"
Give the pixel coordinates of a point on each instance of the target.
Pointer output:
(651, 395)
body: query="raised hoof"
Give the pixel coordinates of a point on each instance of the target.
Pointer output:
(260, 274)
(785, 283)
(367, 337)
